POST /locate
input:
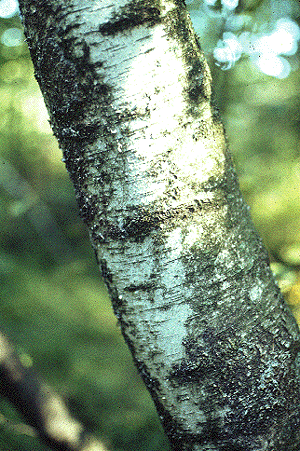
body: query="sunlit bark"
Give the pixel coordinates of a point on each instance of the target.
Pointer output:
(129, 96)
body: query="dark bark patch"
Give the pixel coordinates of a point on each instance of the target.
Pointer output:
(106, 274)
(197, 88)
(247, 386)
(130, 16)
(88, 206)
(141, 224)
(147, 378)
(137, 224)
(71, 87)
(141, 287)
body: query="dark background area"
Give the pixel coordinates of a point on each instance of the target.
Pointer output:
(54, 306)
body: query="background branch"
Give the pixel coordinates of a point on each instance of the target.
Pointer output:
(43, 409)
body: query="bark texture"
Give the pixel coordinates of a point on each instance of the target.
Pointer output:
(129, 96)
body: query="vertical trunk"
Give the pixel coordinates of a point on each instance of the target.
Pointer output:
(129, 96)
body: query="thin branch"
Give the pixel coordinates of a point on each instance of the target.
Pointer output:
(43, 409)
(17, 428)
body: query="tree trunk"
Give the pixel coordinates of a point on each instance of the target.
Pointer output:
(129, 96)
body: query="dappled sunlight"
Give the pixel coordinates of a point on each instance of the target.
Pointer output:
(264, 50)
(34, 110)
(12, 37)
(268, 38)
(8, 8)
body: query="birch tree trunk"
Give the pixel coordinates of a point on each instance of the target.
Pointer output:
(129, 96)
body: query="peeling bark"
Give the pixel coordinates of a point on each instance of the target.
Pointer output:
(129, 96)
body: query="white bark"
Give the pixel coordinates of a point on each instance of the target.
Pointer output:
(129, 96)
